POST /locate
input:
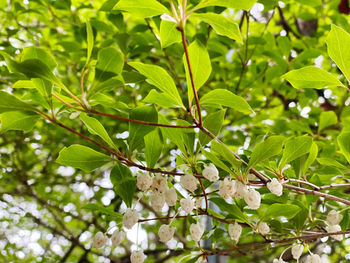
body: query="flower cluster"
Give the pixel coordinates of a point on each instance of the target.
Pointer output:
(100, 240)
(333, 220)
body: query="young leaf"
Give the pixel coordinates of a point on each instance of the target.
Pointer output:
(213, 123)
(222, 25)
(109, 64)
(9, 102)
(23, 84)
(95, 127)
(18, 120)
(200, 65)
(158, 77)
(215, 160)
(344, 143)
(232, 209)
(246, 4)
(295, 148)
(141, 8)
(124, 183)
(226, 153)
(266, 149)
(90, 41)
(226, 98)
(338, 42)
(153, 148)
(161, 99)
(40, 54)
(311, 78)
(105, 211)
(277, 210)
(169, 34)
(108, 5)
(327, 118)
(82, 157)
(311, 158)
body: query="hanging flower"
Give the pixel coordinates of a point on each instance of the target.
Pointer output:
(144, 181)
(137, 256)
(211, 173)
(189, 182)
(170, 196)
(275, 187)
(187, 204)
(99, 240)
(227, 188)
(130, 218)
(197, 231)
(165, 233)
(252, 198)
(117, 237)
(235, 231)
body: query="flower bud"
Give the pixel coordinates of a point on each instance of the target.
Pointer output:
(252, 198)
(211, 173)
(227, 188)
(197, 231)
(235, 231)
(297, 251)
(99, 240)
(137, 256)
(117, 237)
(144, 181)
(166, 233)
(275, 187)
(334, 218)
(335, 228)
(189, 182)
(314, 258)
(170, 196)
(130, 218)
(241, 190)
(159, 184)
(187, 204)
(263, 228)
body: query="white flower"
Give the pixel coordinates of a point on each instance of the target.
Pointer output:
(166, 233)
(335, 228)
(99, 240)
(314, 258)
(201, 260)
(159, 184)
(297, 251)
(168, 18)
(278, 261)
(252, 198)
(189, 182)
(334, 218)
(263, 228)
(137, 256)
(211, 173)
(130, 218)
(157, 201)
(197, 231)
(275, 187)
(117, 237)
(187, 204)
(241, 190)
(227, 188)
(198, 202)
(235, 231)
(170, 196)
(144, 181)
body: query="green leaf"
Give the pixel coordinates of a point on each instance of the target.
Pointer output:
(226, 153)
(213, 123)
(158, 77)
(90, 41)
(344, 143)
(137, 132)
(243, 4)
(311, 158)
(338, 42)
(23, 84)
(44, 87)
(153, 148)
(270, 147)
(140, 8)
(9, 102)
(124, 183)
(108, 5)
(105, 211)
(40, 54)
(277, 210)
(169, 34)
(295, 148)
(18, 120)
(95, 127)
(200, 65)
(215, 160)
(109, 64)
(226, 98)
(82, 157)
(327, 118)
(232, 209)
(161, 99)
(222, 25)
(311, 78)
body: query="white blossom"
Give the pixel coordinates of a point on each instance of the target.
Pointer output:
(159, 184)
(99, 240)
(227, 188)
(187, 204)
(278, 261)
(137, 256)
(197, 231)
(189, 182)
(235, 231)
(334, 218)
(157, 201)
(252, 198)
(170, 196)
(210, 172)
(335, 228)
(297, 251)
(198, 202)
(166, 233)
(275, 187)
(130, 218)
(117, 237)
(144, 181)
(314, 258)
(201, 260)
(263, 228)
(241, 190)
